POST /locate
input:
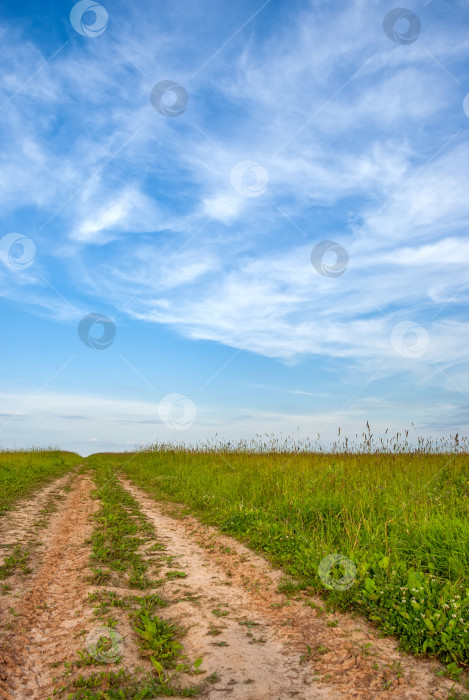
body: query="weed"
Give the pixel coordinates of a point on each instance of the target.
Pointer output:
(158, 637)
(290, 586)
(99, 576)
(248, 623)
(175, 574)
(213, 677)
(452, 671)
(16, 561)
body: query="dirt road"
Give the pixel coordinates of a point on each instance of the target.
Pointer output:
(256, 643)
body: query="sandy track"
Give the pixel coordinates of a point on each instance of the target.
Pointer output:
(53, 610)
(263, 661)
(17, 525)
(255, 663)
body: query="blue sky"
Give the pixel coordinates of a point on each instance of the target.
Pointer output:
(276, 245)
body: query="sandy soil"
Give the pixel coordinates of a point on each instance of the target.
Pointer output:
(52, 611)
(252, 639)
(18, 525)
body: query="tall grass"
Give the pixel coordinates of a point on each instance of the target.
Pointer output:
(398, 511)
(21, 472)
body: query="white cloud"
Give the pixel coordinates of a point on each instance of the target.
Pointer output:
(378, 147)
(223, 208)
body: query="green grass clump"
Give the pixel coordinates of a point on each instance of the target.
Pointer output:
(400, 514)
(22, 472)
(116, 538)
(16, 561)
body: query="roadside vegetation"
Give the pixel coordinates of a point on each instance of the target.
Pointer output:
(22, 472)
(398, 512)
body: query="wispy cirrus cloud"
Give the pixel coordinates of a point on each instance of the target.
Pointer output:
(363, 142)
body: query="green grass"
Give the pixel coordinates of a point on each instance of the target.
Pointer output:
(400, 516)
(16, 561)
(23, 472)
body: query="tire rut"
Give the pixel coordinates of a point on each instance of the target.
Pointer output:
(16, 525)
(53, 611)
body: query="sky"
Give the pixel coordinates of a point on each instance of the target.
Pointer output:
(222, 220)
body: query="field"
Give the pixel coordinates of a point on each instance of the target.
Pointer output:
(248, 571)
(22, 472)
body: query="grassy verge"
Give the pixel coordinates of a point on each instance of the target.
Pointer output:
(400, 517)
(21, 473)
